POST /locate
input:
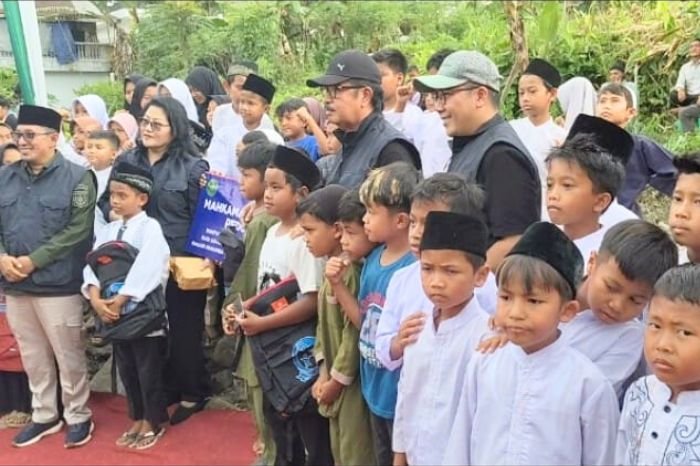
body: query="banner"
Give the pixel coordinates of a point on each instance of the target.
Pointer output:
(219, 206)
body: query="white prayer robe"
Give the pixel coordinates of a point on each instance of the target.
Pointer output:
(551, 407)
(655, 431)
(431, 379)
(539, 141)
(150, 268)
(616, 349)
(102, 177)
(590, 243)
(615, 214)
(405, 296)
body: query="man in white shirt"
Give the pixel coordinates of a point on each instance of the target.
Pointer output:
(686, 93)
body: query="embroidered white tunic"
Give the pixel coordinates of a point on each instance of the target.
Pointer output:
(615, 348)
(431, 380)
(655, 431)
(551, 407)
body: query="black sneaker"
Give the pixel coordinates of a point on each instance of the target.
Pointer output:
(79, 434)
(35, 431)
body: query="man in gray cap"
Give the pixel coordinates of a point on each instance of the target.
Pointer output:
(485, 149)
(47, 209)
(353, 99)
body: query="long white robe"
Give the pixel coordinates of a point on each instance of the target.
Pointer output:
(551, 407)
(425, 411)
(616, 349)
(590, 243)
(655, 431)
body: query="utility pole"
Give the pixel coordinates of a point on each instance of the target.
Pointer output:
(19, 49)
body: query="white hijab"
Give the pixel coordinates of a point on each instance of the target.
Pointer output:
(95, 107)
(180, 92)
(576, 96)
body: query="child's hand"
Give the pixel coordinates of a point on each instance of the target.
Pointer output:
(202, 180)
(404, 94)
(330, 391)
(117, 303)
(251, 323)
(335, 269)
(296, 232)
(491, 344)
(228, 320)
(304, 115)
(409, 330)
(103, 310)
(317, 387)
(247, 212)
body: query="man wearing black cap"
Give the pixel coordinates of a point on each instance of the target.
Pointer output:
(485, 149)
(353, 98)
(47, 209)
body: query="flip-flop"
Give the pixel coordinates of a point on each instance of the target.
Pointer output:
(127, 438)
(147, 440)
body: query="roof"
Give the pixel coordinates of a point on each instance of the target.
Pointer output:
(64, 9)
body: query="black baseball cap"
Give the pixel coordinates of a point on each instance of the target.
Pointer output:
(349, 64)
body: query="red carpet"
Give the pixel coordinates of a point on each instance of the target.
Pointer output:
(209, 437)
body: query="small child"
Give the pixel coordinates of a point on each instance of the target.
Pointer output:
(452, 257)
(387, 196)
(289, 178)
(535, 401)
(252, 163)
(255, 99)
(613, 296)
(537, 91)
(649, 163)
(337, 389)
(658, 424)
(9, 154)
(684, 215)
(407, 306)
(101, 148)
(583, 178)
(617, 74)
(294, 127)
(140, 361)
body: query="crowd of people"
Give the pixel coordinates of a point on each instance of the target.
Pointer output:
(422, 281)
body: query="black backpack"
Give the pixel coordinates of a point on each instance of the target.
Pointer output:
(111, 263)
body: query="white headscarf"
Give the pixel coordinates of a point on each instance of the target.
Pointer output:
(95, 107)
(576, 96)
(180, 92)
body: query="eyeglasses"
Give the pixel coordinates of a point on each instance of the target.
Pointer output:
(333, 91)
(29, 135)
(156, 126)
(440, 97)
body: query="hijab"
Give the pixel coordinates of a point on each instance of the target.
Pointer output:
(576, 96)
(141, 86)
(207, 82)
(132, 78)
(95, 107)
(316, 110)
(180, 92)
(128, 124)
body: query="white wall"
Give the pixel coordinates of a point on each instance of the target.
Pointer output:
(62, 85)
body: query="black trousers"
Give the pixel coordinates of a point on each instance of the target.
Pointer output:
(140, 365)
(302, 432)
(185, 376)
(382, 432)
(689, 99)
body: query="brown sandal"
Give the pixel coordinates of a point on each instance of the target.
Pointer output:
(127, 438)
(147, 440)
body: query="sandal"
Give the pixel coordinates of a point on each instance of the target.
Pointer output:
(127, 438)
(16, 419)
(147, 440)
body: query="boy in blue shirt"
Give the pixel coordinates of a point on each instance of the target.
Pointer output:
(294, 128)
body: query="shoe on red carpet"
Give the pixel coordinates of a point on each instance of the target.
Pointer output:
(35, 431)
(183, 413)
(79, 434)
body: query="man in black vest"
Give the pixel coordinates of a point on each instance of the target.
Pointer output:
(353, 98)
(47, 209)
(485, 149)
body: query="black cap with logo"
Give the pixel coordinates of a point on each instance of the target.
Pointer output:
(349, 64)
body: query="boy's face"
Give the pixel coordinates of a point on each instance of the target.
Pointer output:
(252, 184)
(11, 156)
(612, 297)
(5, 135)
(448, 278)
(419, 211)
(354, 241)
(672, 343)
(100, 153)
(125, 200)
(531, 320)
(613, 108)
(684, 215)
(321, 238)
(251, 107)
(570, 196)
(391, 81)
(280, 199)
(292, 126)
(382, 223)
(119, 131)
(533, 96)
(234, 86)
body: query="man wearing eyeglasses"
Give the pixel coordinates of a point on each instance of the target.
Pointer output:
(485, 149)
(47, 208)
(353, 101)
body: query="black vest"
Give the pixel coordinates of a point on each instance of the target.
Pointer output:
(361, 150)
(34, 209)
